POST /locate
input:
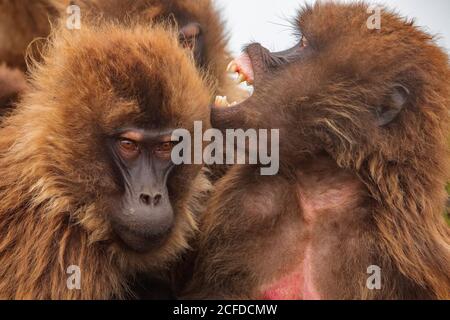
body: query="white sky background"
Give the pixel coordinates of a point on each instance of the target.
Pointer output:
(265, 21)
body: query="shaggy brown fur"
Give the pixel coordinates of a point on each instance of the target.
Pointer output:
(215, 56)
(350, 193)
(57, 186)
(12, 85)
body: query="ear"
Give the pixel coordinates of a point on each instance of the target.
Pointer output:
(394, 104)
(189, 34)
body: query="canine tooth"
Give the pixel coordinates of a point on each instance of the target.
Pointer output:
(241, 78)
(221, 101)
(232, 67)
(218, 102)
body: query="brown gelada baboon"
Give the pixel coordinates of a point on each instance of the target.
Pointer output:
(356, 209)
(88, 187)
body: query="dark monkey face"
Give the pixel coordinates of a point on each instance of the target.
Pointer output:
(142, 160)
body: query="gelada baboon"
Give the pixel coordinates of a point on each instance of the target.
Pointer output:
(356, 209)
(88, 187)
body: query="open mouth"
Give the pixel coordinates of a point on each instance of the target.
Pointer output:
(244, 70)
(252, 66)
(257, 66)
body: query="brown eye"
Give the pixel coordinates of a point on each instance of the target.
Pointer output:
(164, 150)
(304, 42)
(128, 148)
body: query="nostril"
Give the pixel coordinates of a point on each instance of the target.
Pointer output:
(157, 199)
(149, 200)
(145, 199)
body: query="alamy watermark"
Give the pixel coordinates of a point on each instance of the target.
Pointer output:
(73, 22)
(374, 280)
(74, 280)
(235, 147)
(374, 21)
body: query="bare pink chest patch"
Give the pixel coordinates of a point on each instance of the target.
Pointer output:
(297, 285)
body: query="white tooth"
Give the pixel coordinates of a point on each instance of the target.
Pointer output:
(234, 103)
(232, 67)
(219, 101)
(224, 102)
(241, 78)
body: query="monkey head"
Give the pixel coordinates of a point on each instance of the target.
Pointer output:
(347, 88)
(118, 95)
